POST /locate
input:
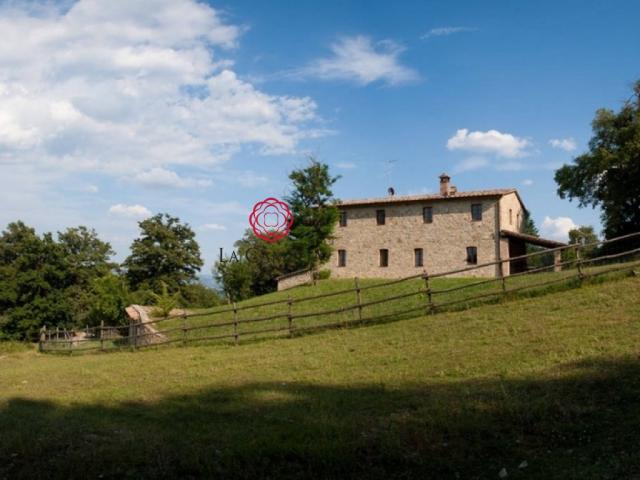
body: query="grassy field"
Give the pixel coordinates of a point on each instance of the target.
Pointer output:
(545, 387)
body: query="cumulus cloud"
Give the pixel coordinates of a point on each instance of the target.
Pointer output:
(360, 60)
(527, 182)
(491, 141)
(117, 87)
(129, 211)
(161, 177)
(566, 144)
(444, 31)
(558, 228)
(212, 227)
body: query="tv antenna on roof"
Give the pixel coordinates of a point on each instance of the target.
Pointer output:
(388, 170)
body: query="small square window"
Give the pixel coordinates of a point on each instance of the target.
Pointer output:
(380, 217)
(427, 214)
(384, 257)
(343, 218)
(342, 258)
(418, 255)
(476, 212)
(472, 255)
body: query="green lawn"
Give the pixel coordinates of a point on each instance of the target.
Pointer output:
(553, 381)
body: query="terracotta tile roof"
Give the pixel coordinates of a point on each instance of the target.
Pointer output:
(424, 198)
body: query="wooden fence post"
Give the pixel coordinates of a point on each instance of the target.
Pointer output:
(102, 335)
(184, 327)
(579, 263)
(427, 286)
(235, 323)
(290, 316)
(358, 298)
(43, 338)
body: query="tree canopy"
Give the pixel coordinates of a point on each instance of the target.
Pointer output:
(608, 175)
(166, 251)
(315, 215)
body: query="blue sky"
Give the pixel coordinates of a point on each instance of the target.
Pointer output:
(113, 111)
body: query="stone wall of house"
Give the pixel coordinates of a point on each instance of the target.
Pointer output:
(511, 213)
(444, 241)
(511, 218)
(294, 279)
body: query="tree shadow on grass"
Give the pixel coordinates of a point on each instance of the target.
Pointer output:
(579, 420)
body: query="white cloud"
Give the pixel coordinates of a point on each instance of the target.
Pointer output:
(444, 31)
(130, 211)
(346, 165)
(360, 60)
(566, 144)
(491, 141)
(161, 177)
(213, 227)
(527, 182)
(117, 87)
(557, 228)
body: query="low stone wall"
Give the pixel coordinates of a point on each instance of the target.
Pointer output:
(294, 279)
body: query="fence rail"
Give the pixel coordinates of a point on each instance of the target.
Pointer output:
(576, 267)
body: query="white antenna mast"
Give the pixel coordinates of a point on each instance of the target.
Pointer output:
(388, 170)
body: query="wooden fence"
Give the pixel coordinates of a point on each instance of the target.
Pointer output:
(576, 267)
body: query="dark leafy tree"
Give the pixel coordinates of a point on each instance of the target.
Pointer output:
(235, 276)
(259, 265)
(109, 297)
(528, 225)
(166, 251)
(87, 258)
(608, 175)
(35, 275)
(315, 214)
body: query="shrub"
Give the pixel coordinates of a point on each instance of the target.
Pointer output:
(110, 296)
(165, 301)
(324, 274)
(196, 295)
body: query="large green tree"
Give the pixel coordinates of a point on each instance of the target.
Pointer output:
(315, 215)
(88, 259)
(255, 268)
(34, 276)
(608, 175)
(166, 251)
(258, 264)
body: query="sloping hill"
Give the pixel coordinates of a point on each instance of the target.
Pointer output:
(546, 387)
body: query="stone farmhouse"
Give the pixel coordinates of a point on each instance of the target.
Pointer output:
(399, 236)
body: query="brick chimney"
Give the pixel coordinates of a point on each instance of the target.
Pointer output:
(444, 184)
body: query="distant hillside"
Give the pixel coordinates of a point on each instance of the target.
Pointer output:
(208, 281)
